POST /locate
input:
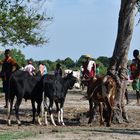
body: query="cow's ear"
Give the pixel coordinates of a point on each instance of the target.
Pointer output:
(71, 73)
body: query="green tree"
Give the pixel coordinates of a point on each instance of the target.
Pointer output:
(102, 68)
(105, 60)
(69, 62)
(19, 24)
(80, 61)
(18, 56)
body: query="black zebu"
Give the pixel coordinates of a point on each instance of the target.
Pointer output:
(56, 89)
(22, 85)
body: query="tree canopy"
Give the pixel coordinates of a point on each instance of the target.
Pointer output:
(20, 24)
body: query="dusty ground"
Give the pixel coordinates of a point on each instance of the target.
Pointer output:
(74, 129)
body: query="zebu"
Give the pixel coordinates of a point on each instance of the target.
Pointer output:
(56, 89)
(22, 85)
(100, 91)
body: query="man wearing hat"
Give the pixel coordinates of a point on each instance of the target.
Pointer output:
(58, 70)
(89, 67)
(8, 65)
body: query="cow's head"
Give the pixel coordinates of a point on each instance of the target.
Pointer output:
(109, 85)
(71, 80)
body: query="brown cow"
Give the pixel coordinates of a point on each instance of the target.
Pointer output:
(101, 91)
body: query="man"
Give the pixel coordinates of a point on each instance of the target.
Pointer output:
(58, 70)
(135, 74)
(89, 68)
(29, 67)
(8, 66)
(88, 71)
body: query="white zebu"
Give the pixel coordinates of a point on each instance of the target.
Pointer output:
(75, 74)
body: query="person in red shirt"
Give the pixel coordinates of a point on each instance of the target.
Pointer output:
(8, 66)
(135, 74)
(89, 68)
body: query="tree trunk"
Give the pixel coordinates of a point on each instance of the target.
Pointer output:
(118, 64)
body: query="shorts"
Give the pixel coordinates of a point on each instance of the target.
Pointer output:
(136, 84)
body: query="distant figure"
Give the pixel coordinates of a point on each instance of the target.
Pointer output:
(88, 71)
(89, 68)
(29, 67)
(42, 69)
(58, 70)
(135, 74)
(8, 65)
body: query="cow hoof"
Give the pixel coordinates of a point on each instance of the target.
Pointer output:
(19, 122)
(54, 124)
(101, 123)
(9, 122)
(63, 124)
(46, 124)
(59, 123)
(39, 121)
(89, 122)
(33, 121)
(108, 125)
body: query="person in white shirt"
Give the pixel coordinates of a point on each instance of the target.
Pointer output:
(30, 68)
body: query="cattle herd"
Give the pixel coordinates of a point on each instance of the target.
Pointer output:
(37, 89)
(48, 89)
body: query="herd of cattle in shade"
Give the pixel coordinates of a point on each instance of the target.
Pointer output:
(40, 89)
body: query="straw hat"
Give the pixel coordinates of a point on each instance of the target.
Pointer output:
(87, 56)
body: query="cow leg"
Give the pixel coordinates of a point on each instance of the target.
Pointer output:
(90, 106)
(38, 113)
(101, 113)
(45, 109)
(58, 112)
(10, 105)
(93, 112)
(17, 104)
(43, 105)
(50, 111)
(61, 112)
(109, 109)
(33, 110)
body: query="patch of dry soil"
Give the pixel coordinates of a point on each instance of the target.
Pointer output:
(75, 129)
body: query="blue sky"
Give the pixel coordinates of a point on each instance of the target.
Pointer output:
(81, 27)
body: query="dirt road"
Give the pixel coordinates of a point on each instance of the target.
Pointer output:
(75, 129)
